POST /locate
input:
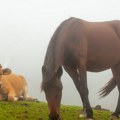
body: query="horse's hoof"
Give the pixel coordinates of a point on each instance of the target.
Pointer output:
(89, 118)
(114, 117)
(82, 115)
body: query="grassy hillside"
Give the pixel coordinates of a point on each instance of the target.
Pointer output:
(24, 110)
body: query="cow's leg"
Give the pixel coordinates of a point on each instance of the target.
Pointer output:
(25, 92)
(26, 95)
(1, 97)
(12, 97)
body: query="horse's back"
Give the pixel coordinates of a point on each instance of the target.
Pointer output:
(97, 42)
(103, 40)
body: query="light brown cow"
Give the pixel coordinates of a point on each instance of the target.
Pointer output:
(12, 86)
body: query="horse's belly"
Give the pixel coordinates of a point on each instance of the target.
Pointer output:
(97, 67)
(103, 60)
(103, 53)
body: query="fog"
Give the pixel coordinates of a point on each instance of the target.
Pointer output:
(26, 27)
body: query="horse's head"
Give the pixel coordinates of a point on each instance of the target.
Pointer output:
(52, 87)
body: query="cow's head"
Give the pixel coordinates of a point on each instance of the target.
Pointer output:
(4, 71)
(3, 90)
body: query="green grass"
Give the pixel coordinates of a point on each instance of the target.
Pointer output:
(24, 110)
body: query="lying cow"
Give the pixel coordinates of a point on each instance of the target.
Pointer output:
(12, 86)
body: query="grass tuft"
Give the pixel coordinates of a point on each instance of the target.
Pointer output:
(24, 110)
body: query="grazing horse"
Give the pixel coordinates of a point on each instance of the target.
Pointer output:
(79, 46)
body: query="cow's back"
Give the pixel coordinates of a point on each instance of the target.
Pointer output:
(13, 82)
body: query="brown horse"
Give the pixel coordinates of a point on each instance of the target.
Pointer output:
(80, 46)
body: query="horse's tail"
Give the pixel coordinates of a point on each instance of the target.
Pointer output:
(108, 88)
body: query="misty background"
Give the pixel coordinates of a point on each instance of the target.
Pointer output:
(26, 27)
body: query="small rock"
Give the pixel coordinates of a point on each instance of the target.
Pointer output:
(98, 107)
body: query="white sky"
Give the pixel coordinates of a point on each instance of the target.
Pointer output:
(26, 27)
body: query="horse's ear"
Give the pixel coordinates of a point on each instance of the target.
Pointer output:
(59, 72)
(43, 69)
(6, 71)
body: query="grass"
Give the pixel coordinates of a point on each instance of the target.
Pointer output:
(24, 110)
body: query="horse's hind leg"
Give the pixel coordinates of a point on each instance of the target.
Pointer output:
(116, 74)
(79, 85)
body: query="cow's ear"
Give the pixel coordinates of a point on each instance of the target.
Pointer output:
(0, 66)
(1, 84)
(6, 71)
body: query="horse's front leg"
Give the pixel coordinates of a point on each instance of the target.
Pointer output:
(55, 117)
(83, 88)
(74, 74)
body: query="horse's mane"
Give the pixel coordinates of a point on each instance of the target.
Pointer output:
(53, 52)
